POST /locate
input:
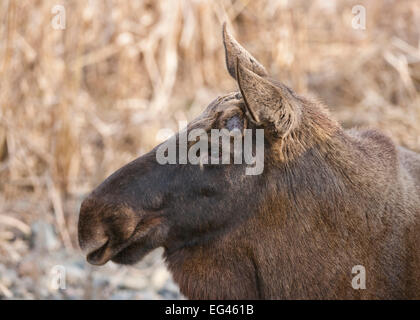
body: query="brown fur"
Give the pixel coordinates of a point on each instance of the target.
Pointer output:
(328, 200)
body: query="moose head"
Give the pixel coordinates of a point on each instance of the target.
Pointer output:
(145, 204)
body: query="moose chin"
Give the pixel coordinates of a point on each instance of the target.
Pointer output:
(327, 200)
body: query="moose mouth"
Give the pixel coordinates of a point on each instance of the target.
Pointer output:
(121, 254)
(100, 256)
(131, 250)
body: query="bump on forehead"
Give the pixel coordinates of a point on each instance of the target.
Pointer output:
(223, 102)
(227, 104)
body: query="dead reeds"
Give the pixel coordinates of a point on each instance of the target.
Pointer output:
(78, 103)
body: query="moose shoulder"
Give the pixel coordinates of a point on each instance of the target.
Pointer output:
(326, 201)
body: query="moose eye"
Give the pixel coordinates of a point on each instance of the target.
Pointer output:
(154, 207)
(208, 191)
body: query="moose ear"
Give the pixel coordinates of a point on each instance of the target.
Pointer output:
(269, 105)
(234, 51)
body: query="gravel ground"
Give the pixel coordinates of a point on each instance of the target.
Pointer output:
(34, 265)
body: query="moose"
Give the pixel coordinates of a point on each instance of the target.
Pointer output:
(327, 200)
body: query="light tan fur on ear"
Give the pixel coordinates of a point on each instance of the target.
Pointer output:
(234, 51)
(268, 104)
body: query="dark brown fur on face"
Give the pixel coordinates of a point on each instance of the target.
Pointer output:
(327, 200)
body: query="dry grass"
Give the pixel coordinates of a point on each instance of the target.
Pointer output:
(78, 103)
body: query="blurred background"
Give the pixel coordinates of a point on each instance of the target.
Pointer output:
(77, 103)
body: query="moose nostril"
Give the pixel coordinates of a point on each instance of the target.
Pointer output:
(91, 233)
(91, 244)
